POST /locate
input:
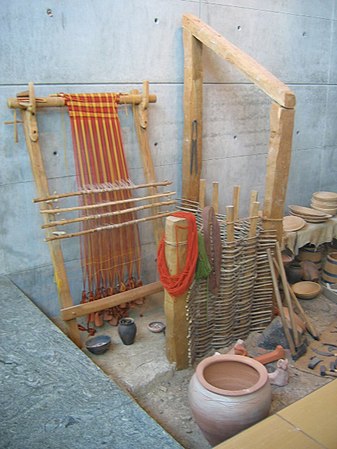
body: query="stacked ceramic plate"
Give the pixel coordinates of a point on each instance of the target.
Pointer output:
(325, 202)
(292, 223)
(308, 214)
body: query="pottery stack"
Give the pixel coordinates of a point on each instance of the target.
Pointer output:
(325, 202)
(309, 214)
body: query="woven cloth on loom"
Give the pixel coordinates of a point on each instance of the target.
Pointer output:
(110, 258)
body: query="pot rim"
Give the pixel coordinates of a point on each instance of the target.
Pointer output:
(263, 374)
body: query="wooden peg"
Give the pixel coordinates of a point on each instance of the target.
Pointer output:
(253, 198)
(254, 208)
(230, 224)
(215, 197)
(202, 193)
(236, 201)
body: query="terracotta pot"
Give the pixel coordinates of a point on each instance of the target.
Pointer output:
(294, 272)
(227, 394)
(127, 330)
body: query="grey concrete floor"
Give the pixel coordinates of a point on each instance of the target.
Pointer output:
(144, 371)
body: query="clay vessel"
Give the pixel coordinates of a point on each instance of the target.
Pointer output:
(294, 272)
(227, 394)
(127, 330)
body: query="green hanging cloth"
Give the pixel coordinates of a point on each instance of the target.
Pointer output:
(203, 268)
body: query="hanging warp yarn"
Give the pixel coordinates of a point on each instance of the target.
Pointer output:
(110, 258)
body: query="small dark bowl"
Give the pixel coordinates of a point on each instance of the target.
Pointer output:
(99, 344)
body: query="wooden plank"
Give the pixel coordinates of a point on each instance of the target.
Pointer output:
(278, 165)
(70, 313)
(148, 166)
(175, 307)
(56, 254)
(193, 79)
(315, 415)
(273, 432)
(255, 72)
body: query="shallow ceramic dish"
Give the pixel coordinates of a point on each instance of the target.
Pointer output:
(325, 196)
(99, 344)
(306, 289)
(305, 211)
(293, 223)
(156, 327)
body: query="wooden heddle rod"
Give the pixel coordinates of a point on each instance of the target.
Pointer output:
(28, 104)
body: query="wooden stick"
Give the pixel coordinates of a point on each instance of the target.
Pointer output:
(108, 203)
(104, 228)
(253, 198)
(215, 197)
(230, 224)
(102, 190)
(58, 101)
(108, 214)
(202, 193)
(69, 313)
(280, 305)
(286, 294)
(308, 323)
(254, 207)
(236, 201)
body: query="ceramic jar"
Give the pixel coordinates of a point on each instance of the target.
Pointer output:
(127, 330)
(227, 394)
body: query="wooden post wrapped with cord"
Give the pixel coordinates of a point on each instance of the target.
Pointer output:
(177, 257)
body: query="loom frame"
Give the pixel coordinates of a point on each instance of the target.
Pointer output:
(197, 34)
(28, 103)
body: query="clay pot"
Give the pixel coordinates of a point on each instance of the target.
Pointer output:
(294, 272)
(227, 394)
(127, 330)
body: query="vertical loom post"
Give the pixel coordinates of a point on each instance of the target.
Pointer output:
(175, 307)
(236, 201)
(230, 224)
(140, 120)
(278, 164)
(33, 146)
(192, 144)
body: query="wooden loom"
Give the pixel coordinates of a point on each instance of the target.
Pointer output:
(28, 104)
(196, 34)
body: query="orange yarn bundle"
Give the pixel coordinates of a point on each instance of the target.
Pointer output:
(179, 283)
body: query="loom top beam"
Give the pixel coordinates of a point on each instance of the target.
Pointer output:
(23, 102)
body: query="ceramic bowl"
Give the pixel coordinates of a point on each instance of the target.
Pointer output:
(306, 289)
(99, 344)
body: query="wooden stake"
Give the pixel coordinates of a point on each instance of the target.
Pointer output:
(253, 218)
(215, 197)
(202, 193)
(253, 199)
(236, 201)
(175, 307)
(230, 224)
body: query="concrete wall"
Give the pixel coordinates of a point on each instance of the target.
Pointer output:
(111, 45)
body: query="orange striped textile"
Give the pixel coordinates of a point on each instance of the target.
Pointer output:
(110, 258)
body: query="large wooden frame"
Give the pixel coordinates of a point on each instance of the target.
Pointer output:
(196, 34)
(28, 104)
